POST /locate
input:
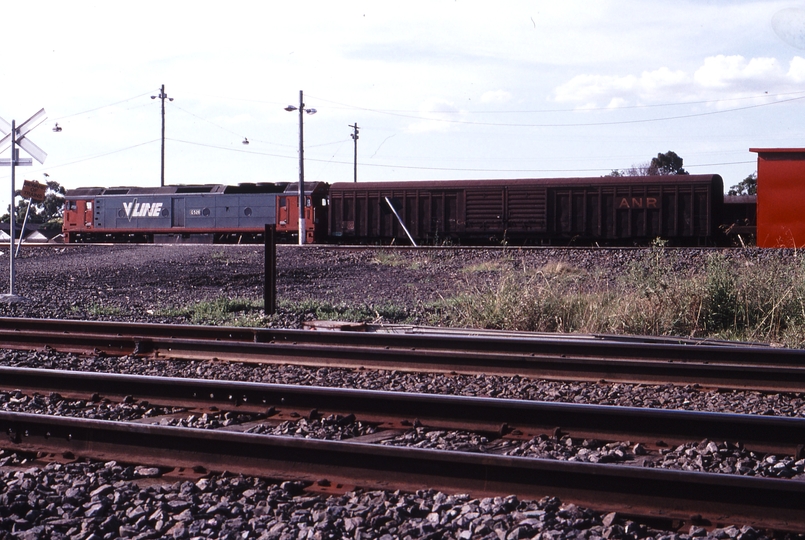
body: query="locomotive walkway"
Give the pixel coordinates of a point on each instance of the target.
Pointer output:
(679, 497)
(588, 358)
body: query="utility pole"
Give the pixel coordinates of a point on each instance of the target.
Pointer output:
(12, 213)
(302, 227)
(17, 136)
(162, 96)
(355, 160)
(301, 109)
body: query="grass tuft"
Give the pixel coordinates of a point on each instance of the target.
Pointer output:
(221, 311)
(764, 301)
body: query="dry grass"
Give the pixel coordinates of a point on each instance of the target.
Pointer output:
(726, 300)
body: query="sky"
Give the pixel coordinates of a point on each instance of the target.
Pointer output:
(439, 89)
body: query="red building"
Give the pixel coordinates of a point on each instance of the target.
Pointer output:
(780, 197)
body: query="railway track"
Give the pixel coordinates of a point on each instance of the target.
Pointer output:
(678, 497)
(587, 358)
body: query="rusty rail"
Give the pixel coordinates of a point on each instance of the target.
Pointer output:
(760, 433)
(681, 496)
(590, 358)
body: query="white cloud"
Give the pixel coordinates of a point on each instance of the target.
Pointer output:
(616, 103)
(434, 111)
(796, 70)
(724, 72)
(719, 77)
(496, 96)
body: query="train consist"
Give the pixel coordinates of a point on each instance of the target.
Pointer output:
(682, 209)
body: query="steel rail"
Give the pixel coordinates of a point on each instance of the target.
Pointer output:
(544, 345)
(750, 367)
(781, 435)
(687, 497)
(736, 376)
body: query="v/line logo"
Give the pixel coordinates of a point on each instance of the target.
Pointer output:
(135, 209)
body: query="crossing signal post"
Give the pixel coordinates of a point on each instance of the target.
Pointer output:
(17, 136)
(34, 192)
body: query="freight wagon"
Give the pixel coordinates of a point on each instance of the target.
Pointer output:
(684, 209)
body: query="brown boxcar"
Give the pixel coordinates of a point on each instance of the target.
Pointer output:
(740, 217)
(684, 209)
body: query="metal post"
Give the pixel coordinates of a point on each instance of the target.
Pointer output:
(24, 222)
(302, 230)
(270, 285)
(400, 221)
(162, 175)
(355, 160)
(11, 212)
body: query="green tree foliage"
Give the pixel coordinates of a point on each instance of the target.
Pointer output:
(747, 186)
(47, 213)
(666, 164)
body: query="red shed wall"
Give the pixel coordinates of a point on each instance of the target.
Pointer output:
(780, 197)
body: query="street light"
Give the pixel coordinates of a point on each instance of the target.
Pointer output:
(301, 108)
(355, 138)
(162, 95)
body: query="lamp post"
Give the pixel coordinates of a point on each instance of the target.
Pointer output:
(301, 109)
(162, 95)
(355, 161)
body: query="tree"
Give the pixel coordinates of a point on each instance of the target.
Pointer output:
(666, 164)
(747, 186)
(47, 213)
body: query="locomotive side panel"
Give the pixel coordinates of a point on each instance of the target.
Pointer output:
(172, 213)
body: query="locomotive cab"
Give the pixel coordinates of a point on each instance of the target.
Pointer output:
(315, 213)
(78, 211)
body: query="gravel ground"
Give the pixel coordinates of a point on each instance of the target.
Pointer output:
(136, 283)
(96, 501)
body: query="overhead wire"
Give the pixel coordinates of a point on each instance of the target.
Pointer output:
(413, 167)
(225, 129)
(574, 109)
(98, 156)
(102, 107)
(577, 124)
(390, 112)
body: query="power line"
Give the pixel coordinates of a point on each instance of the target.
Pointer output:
(102, 107)
(575, 109)
(378, 165)
(580, 124)
(457, 169)
(229, 130)
(90, 158)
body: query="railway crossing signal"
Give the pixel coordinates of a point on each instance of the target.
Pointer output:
(17, 136)
(22, 141)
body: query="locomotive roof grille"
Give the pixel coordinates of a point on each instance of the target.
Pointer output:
(263, 187)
